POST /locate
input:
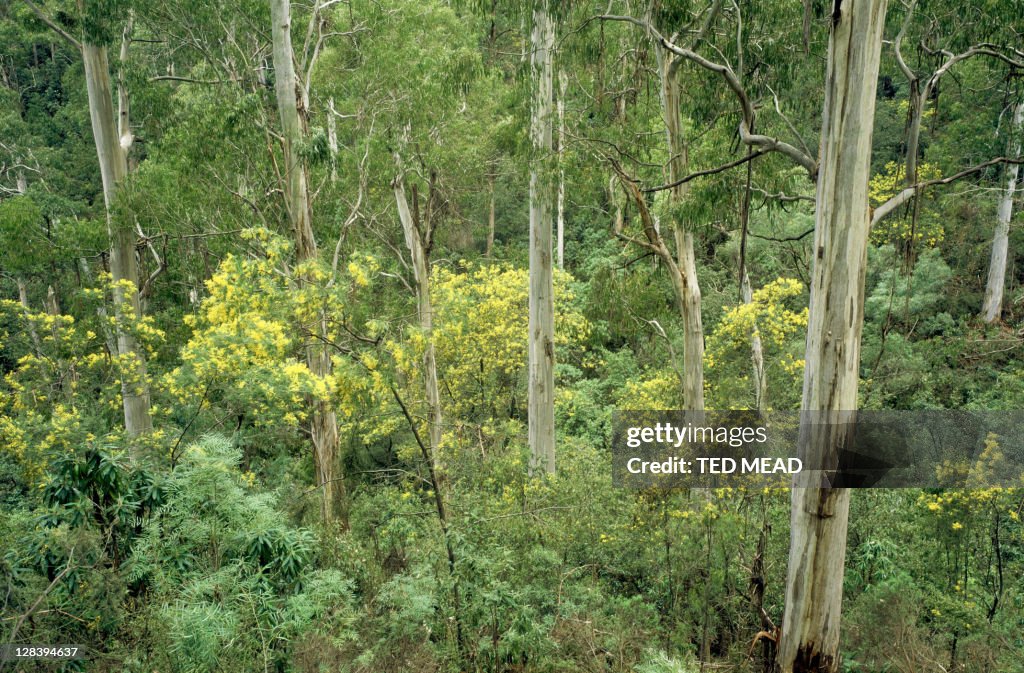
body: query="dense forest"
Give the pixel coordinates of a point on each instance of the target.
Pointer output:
(315, 318)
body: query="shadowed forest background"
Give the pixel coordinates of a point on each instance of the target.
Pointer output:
(314, 315)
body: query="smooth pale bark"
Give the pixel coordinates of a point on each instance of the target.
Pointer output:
(323, 421)
(113, 160)
(27, 310)
(819, 516)
(684, 270)
(993, 305)
(332, 139)
(420, 255)
(490, 214)
(756, 349)
(541, 339)
(562, 84)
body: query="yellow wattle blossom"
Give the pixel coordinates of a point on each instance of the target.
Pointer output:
(885, 185)
(776, 316)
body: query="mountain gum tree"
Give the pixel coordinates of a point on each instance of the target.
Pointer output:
(419, 239)
(323, 421)
(113, 138)
(670, 56)
(541, 340)
(819, 516)
(923, 89)
(684, 270)
(993, 304)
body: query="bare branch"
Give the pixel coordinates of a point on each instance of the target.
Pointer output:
(887, 208)
(173, 78)
(711, 171)
(53, 24)
(732, 81)
(898, 42)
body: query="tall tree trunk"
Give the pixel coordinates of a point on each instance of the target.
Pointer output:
(113, 162)
(332, 139)
(819, 516)
(562, 84)
(993, 306)
(419, 236)
(684, 281)
(418, 241)
(541, 339)
(324, 421)
(756, 350)
(490, 212)
(27, 311)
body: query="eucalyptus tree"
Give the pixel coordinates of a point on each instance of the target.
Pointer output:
(996, 282)
(292, 97)
(101, 27)
(541, 339)
(819, 516)
(945, 30)
(675, 47)
(810, 631)
(971, 34)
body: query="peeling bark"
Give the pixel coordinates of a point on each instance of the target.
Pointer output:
(541, 339)
(819, 516)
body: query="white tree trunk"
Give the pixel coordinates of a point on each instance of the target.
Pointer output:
(27, 311)
(684, 281)
(112, 156)
(490, 214)
(562, 85)
(756, 349)
(993, 305)
(421, 273)
(819, 516)
(323, 422)
(541, 339)
(332, 139)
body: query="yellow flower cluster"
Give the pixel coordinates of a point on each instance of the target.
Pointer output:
(884, 186)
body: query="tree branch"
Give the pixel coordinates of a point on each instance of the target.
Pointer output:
(900, 198)
(53, 24)
(711, 171)
(174, 78)
(748, 113)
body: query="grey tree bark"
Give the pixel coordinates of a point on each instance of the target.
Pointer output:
(992, 307)
(490, 211)
(756, 349)
(541, 339)
(562, 85)
(323, 421)
(419, 240)
(684, 270)
(819, 516)
(112, 152)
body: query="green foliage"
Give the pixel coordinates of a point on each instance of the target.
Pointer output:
(196, 547)
(234, 585)
(20, 233)
(770, 316)
(908, 298)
